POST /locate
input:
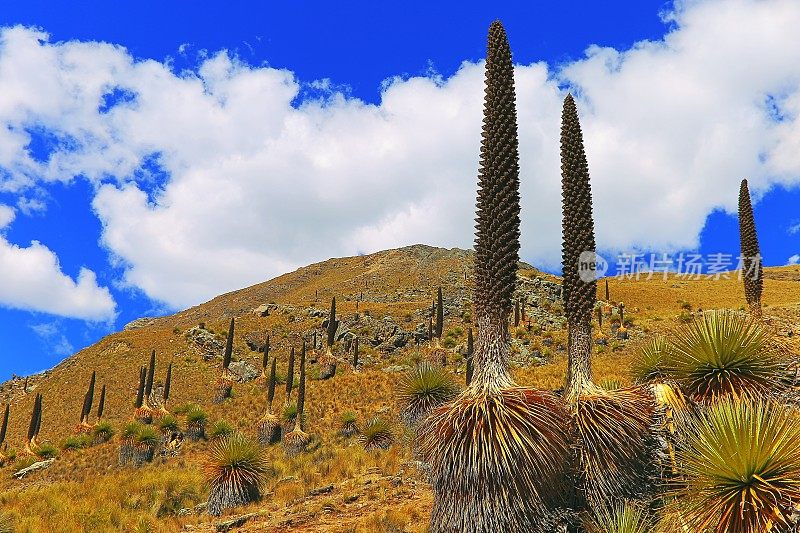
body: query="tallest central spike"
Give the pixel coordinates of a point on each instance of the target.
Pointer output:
(497, 208)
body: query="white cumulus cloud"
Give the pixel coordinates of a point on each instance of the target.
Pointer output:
(255, 183)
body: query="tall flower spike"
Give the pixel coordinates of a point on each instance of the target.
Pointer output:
(151, 373)
(140, 389)
(290, 375)
(752, 270)
(101, 405)
(439, 314)
(332, 323)
(4, 427)
(226, 359)
(578, 249)
(88, 400)
(168, 384)
(497, 214)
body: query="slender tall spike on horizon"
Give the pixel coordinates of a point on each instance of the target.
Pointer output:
(88, 400)
(290, 375)
(4, 426)
(752, 268)
(332, 323)
(140, 389)
(168, 384)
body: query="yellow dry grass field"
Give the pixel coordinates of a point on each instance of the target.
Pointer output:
(337, 485)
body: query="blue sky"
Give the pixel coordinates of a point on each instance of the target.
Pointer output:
(156, 154)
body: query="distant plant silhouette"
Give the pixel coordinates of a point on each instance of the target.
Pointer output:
(752, 269)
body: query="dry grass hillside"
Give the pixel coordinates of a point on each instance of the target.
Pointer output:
(336, 485)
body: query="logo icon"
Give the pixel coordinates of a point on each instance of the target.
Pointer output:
(591, 266)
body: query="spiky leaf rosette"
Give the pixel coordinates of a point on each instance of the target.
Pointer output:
(349, 424)
(740, 468)
(234, 468)
(752, 270)
(422, 389)
(503, 456)
(196, 420)
(497, 208)
(624, 517)
(376, 435)
(723, 353)
(439, 314)
(579, 284)
(616, 444)
(648, 364)
(102, 432)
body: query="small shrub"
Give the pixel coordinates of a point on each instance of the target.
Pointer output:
(46, 451)
(168, 424)
(422, 389)
(102, 432)
(76, 442)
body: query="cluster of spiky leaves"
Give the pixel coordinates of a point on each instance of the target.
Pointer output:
(622, 517)
(168, 424)
(497, 209)
(752, 269)
(349, 425)
(580, 293)
(102, 432)
(127, 442)
(648, 364)
(739, 466)
(220, 429)
(499, 460)
(422, 389)
(723, 353)
(376, 435)
(616, 445)
(234, 468)
(196, 420)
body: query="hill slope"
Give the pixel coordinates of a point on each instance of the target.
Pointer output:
(85, 490)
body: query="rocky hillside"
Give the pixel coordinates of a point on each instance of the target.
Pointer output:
(383, 299)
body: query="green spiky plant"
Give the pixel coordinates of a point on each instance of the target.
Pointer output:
(603, 420)
(497, 452)
(739, 467)
(269, 427)
(3, 430)
(376, 435)
(234, 468)
(349, 425)
(168, 424)
(422, 389)
(327, 363)
(102, 432)
(723, 353)
(648, 363)
(224, 387)
(623, 517)
(86, 410)
(220, 429)
(196, 419)
(752, 269)
(296, 441)
(144, 446)
(127, 441)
